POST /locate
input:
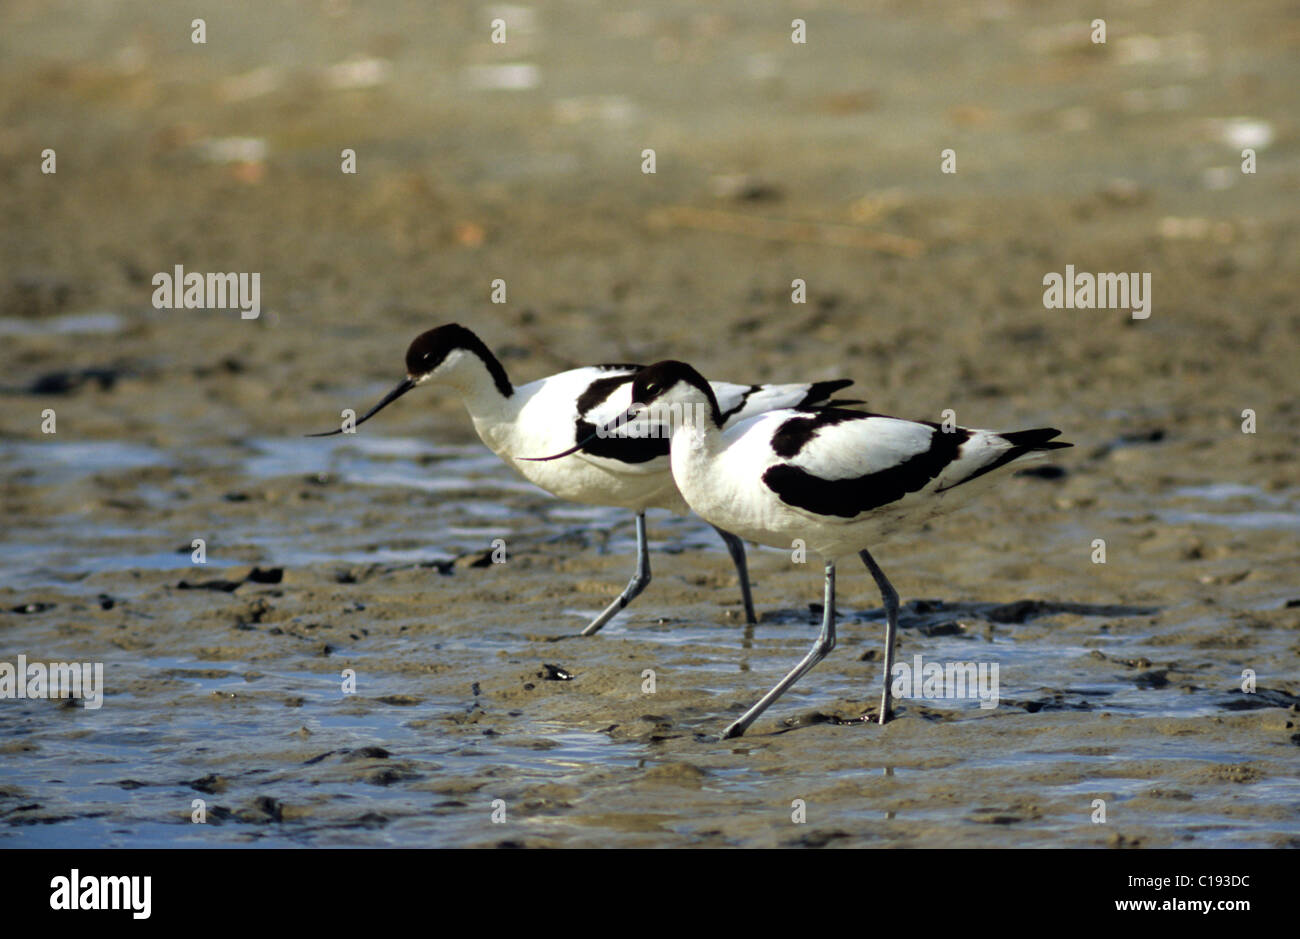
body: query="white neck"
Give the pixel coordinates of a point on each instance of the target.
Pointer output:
(468, 375)
(694, 443)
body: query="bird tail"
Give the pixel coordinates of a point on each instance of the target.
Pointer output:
(819, 395)
(1026, 441)
(1022, 442)
(820, 391)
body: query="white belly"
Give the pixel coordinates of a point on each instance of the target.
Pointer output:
(575, 479)
(727, 489)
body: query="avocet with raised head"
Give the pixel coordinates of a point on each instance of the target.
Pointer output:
(837, 479)
(543, 416)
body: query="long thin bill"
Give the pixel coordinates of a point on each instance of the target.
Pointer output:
(609, 430)
(402, 388)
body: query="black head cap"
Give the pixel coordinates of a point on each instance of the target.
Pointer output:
(430, 349)
(654, 380)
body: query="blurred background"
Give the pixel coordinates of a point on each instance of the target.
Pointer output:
(522, 160)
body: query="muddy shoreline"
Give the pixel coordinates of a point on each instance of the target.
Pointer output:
(1119, 681)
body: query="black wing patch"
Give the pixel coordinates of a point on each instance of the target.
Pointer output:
(849, 498)
(818, 392)
(632, 450)
(796, 433)
(744, 398)
(822, 390)
(600, 389)
(623, 449)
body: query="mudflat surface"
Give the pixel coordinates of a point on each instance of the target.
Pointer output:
(1119, 681)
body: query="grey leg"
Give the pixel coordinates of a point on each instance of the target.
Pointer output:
(825, 642)
(737, 549)
(890, 596)
(634, 586)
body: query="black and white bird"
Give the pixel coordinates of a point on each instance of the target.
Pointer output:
(556, 412)
(837, 479)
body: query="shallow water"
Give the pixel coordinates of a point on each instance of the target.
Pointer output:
(287, 749)
(76, 323)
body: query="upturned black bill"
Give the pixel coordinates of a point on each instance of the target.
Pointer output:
(403, 387)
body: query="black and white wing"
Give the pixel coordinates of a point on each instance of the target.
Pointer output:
(603, 393)
(843, 464)
(739, 403)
